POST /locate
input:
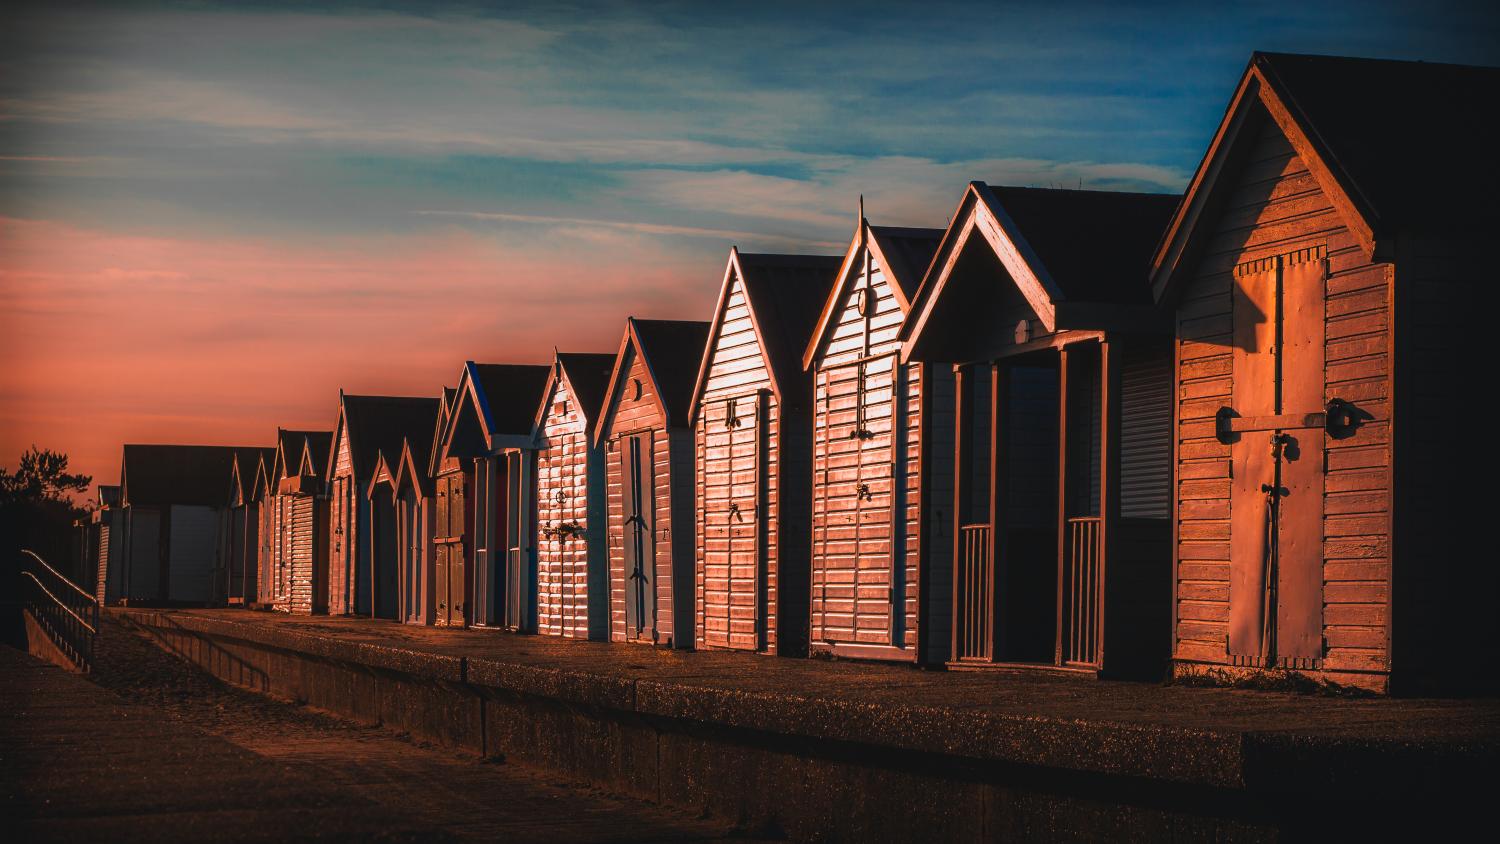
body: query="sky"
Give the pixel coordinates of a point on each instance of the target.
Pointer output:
(213, 217)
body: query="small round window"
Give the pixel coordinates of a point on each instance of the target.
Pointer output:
(862, 301)
(636, 390)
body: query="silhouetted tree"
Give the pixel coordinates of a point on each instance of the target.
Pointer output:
(37, 510)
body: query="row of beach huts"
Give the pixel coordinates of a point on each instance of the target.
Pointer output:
(1095, 432)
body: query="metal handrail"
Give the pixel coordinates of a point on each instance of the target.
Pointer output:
(59, 575)
(65, 608)
(69, 619)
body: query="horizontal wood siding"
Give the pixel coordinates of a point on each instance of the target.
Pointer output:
(863, 514)
(1275, 208)
(343, 532)
(636, 410)
(564, 530)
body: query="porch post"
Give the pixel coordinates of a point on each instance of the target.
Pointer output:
(1062, 499)
(963, 399)
(999, 380)
(1109, 481)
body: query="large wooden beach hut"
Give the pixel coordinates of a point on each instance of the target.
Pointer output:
(173, 502)
(1326, 270)
(752, 421)
(489, 433)
(572, 556)
(882, 461)
(362, 576)
(1040, 301)
(644, 428)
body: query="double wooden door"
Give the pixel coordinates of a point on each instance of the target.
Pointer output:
(858, 513)
(450, 525)
(733, 452)
(638, 537)
(1276, 429)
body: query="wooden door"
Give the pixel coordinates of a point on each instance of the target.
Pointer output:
(638, 501)
(1275, 427)
(451, 604)
(733, 450)
(516, 544)
(857, 565)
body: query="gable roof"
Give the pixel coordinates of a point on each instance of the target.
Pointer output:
(904, 255)
(587, 376)
(289, 448)
(784, 294)
(317, 444)
(671, 350)
(245, 471)
(446, 404)
(1395, 145)
(159, 475)
(1067, 252)
(410, 472)
(503, 398)
(376, 426)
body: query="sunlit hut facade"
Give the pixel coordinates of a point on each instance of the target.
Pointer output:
(240, 533)
(263, 493)
(752, 421)
(300, 552)
(643, 427)
(173, 501)
(572, 555)
(882, 461)
(490, 430)
(362, 576)
(1325, 271)
(1040, 301)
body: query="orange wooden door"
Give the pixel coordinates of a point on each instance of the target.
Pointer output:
(1275, 427)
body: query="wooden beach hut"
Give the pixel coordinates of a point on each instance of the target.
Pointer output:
(644, 428)
(489, 434)
(1325, 270)
(882, 455)
(572, 556)
(1040, 302)
(417, 532)
(751, 416)
(240, 533)
(300, 552)
(362, 577)
(173, 502)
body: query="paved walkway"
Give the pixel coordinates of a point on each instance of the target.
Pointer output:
(149, 748)
(1038, 695)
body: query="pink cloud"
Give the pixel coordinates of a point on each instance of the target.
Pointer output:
(111, 337)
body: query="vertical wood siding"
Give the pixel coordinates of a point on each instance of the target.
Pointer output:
(1276, 208)
(738, 486)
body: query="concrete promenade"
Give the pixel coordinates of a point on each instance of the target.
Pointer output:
(149, 748)
(965, 754)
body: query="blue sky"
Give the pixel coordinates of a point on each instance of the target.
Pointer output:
(237, 177)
